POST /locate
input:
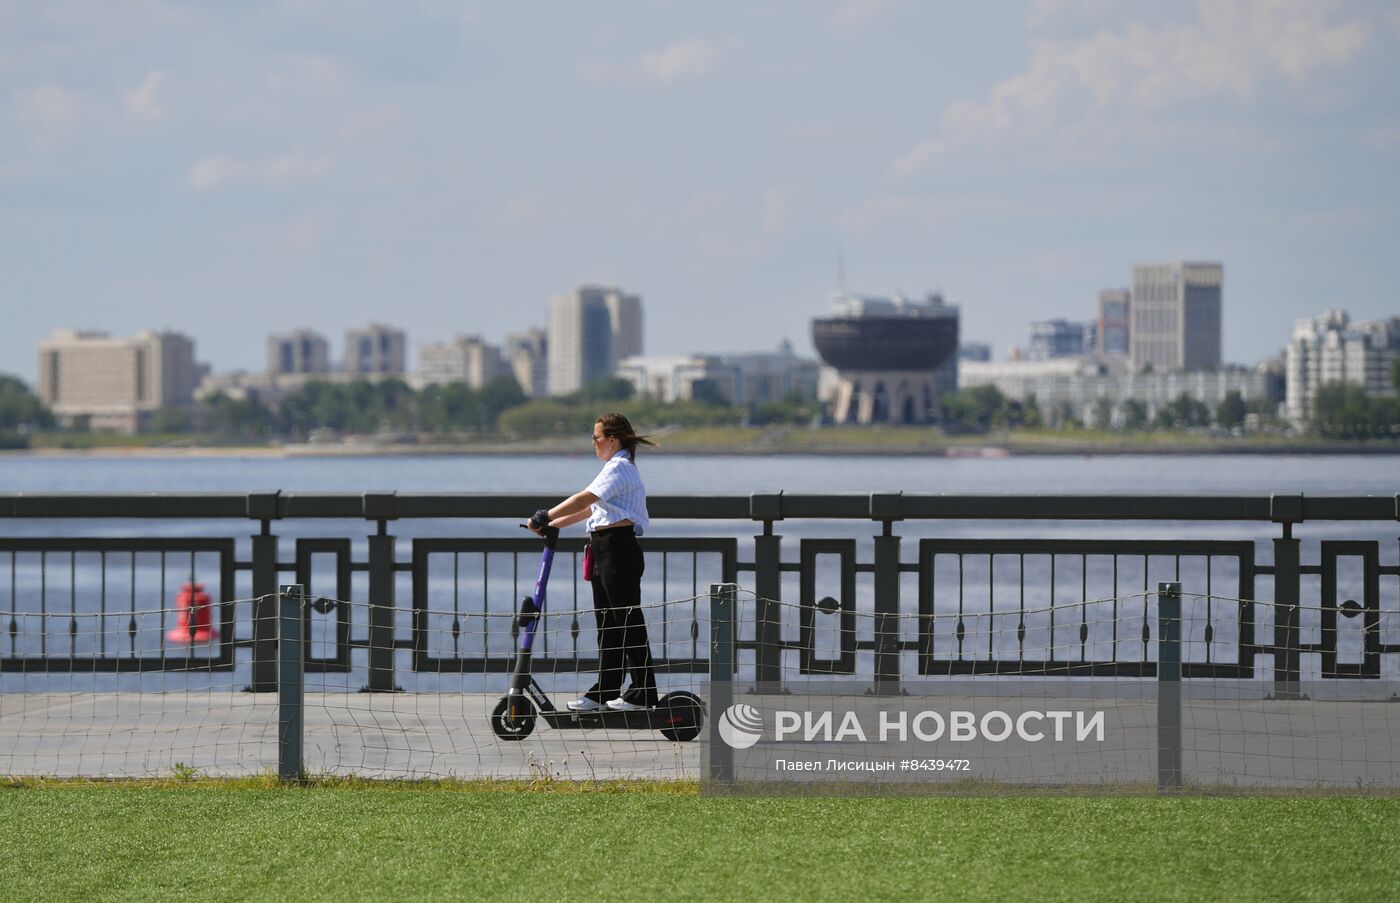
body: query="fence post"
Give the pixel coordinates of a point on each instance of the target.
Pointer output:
(290, 601)
(263, 506)
(887, 509)
(768, 626)
(721, 764)
(379, 506)
(1287, 510)
(1169, 686)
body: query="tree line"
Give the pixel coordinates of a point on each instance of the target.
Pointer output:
(501, 409)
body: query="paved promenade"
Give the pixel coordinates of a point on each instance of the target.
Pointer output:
(1226, 742)
(398, 735)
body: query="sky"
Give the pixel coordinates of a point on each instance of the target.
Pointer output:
(233, 170)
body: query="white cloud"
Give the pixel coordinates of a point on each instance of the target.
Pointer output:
(142, 101)
(776, 209)
(854, 13)
(685, 61)
(303, 234)
(702, 206)
(884, 208)
(47, 108)
(523, 209)
(1232, 47)
(369, 121)
(213, 173)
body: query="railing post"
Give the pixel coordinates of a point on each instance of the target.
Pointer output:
(290, 600)
(887, 509)
(263, 506)
(721, 764)
(1287, 510)
(379, 506)
(768, 625)
(1169, 686)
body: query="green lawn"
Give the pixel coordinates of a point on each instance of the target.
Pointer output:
(229, 842)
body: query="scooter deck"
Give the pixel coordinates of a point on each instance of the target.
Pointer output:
(643, 720)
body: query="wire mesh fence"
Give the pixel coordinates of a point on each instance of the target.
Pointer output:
(1140, 691)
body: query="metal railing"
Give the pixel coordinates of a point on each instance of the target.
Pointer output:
(981, 579)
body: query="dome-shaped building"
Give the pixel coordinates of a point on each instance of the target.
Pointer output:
(894, 358)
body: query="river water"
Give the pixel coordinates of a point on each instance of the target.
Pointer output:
(469, 593)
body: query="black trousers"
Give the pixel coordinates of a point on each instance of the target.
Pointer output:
(623, 648)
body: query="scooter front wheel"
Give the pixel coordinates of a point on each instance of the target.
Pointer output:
(682, 714)
(513, 718)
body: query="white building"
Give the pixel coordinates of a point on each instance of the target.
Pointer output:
(1176, 315)
(590, 330)
(527, 353)
(467, 359)
(1080, 383)
(112, 383)
(753, 378)
(376, 349)
(1331, 349)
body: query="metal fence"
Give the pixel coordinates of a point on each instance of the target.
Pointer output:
(70, 604)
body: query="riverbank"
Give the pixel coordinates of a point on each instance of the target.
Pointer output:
(758, 441)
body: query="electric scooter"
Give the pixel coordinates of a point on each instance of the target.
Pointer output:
(678, 715)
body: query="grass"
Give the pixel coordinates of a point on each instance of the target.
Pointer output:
(250, 840)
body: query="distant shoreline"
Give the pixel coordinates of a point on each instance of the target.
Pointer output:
(569, 448)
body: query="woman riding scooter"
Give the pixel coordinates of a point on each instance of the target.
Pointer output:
(615, 506)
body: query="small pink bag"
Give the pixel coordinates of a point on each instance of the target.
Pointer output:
(588, 562)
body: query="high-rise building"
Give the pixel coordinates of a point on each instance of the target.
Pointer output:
(1060, 338)
(590, 330)
(300, 351)
(1115, 325)
(1176, 315)
(115, 384)
(376, 349)
(467, 359)
(1330, 349)
(527, 353)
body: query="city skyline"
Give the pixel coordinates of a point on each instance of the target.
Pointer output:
(232, 172)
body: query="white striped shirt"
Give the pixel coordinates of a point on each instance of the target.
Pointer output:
(621, 495)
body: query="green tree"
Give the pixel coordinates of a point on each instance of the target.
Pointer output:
(21, 412)
(231, 418)
(1231, 410)
(1134, 415)
(1103, 414)
(976, 410)
(707, 391)
(171, 420)
(1183, 412)
(608, 388)
(498, 395)
(1343, 411)
(1030, 413)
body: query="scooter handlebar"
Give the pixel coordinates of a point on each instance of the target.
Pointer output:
(550, 534)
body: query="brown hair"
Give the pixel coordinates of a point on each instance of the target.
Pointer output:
(616, 426)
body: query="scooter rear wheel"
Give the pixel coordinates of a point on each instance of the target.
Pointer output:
(683, 713)
(513, 724)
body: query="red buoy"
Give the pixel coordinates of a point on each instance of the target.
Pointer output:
(192, 616)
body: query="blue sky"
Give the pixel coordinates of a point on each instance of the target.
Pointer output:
(231, 170)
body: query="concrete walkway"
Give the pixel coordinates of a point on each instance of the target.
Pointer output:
(400, 735)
